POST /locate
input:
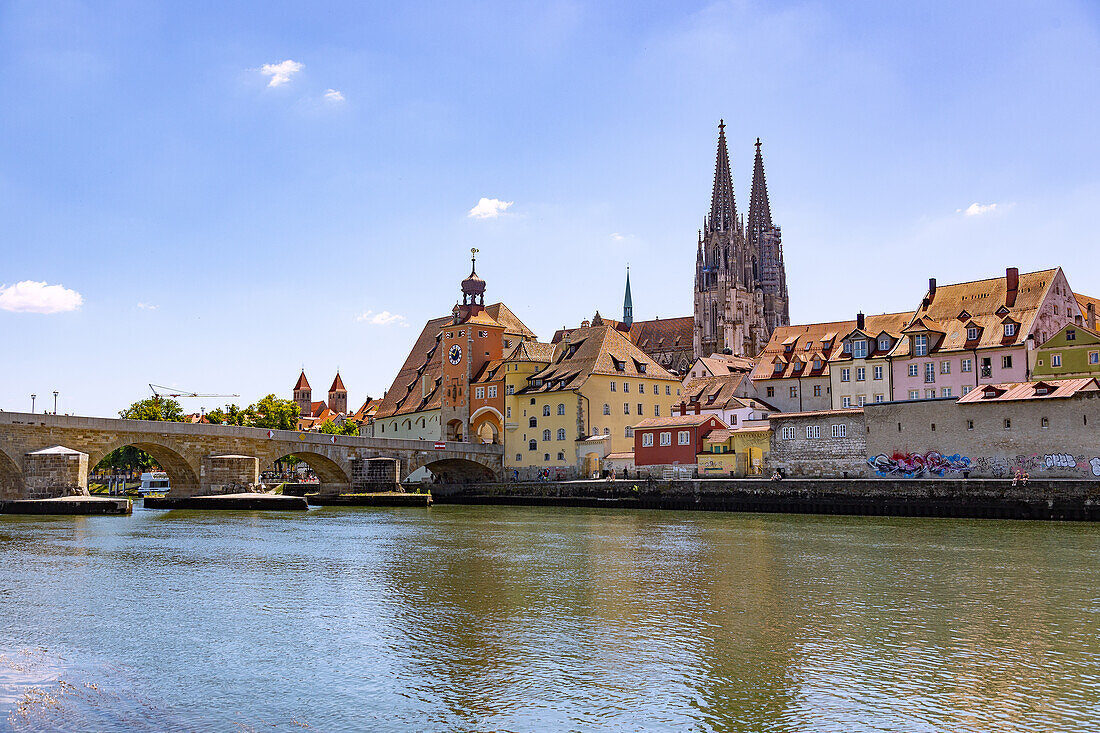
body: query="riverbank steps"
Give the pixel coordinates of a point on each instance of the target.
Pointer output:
(1052, 499)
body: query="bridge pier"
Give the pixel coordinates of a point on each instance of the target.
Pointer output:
(56, 471)
(228, 474)
(370, 475)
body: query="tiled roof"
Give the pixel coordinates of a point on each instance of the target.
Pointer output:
(892, 324)
(595, 350)
(513, 326)
(316, 408)
(677, 421)
(620, 456)
(337, 384)
(423, 363)
(816, 413)
(1042, 390)
(804, 343)
(533, 351)
(1084, 300)
(956, 307)
(302, 382)
(715, 392)
(726, 364)
(671, 338)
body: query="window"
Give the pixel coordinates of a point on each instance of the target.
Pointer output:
(532, 445)
(479, 393)
(532, 422)
(813, 431)
(1010, 329)
(561, 433)
(668, 389)
(878, 372)
(788, 432)
(606, 409)
(914, 394)
(817, 364)
(778, 366)
(450, 334)
(839, 431)
(859, 349)
(920, 345)
(647, 440)
(930, 394)
(945, 367)
(946, 392)
(845, 375)
(641, 388)
(1008, 423)
(626, 387)
(629, 431)
(666, 438)
(510, 389)
(507, 412)
(546, 410)
(880, 398)
(966, 365)
(639, 409)
(966, 390)
(862, 400)
(656, 411)
(626, 408)
(519, 456)
(1006, 361)
(612, 385)
(1094, 357)
(987, 366)
(607, 431)
(861, 374)
(546, 434)
(969, 424)
(914, 370)
(884, 344)
(845, 401)
(771, 392)
(1044, 423)
(561, 456)
(817, 390)
(1071, 335)
(461, 334)
(561, 409)
(683, 437)
(483, 334)
(971, 333)
(929, 372)
(794, 392)
(546, 456)
(1056, 360)
(492, 391)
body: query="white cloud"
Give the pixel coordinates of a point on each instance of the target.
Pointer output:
(385, 318)
(332, 95)
(281, 72)
(29, 296)
(488, 208)
(616, 237)
(147, 306)
(976, 209)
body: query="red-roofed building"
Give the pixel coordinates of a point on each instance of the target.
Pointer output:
(672, 441)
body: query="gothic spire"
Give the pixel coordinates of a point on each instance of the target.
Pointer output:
(760, 210)
(723, 208)
(628, 306)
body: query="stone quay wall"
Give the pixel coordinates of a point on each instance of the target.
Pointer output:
(56, 472)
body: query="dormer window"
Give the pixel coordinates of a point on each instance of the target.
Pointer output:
(972, 333)
(859, 349)
(620, 366)
(778, 367)
(1071, 335)
(989, 394)
(1010, 329)
(817, 364)
(920, 345)
(847, 347)
(808, 346)
(884, 344)
(1042, 389)
(788, 347)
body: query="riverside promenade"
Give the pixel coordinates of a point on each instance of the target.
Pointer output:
(1051, 499)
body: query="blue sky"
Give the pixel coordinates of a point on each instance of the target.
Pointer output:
(216, 217)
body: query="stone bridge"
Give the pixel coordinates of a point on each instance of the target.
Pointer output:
(44, 455)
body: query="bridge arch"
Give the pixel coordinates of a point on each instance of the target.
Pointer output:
(183, 473)
(11, 478)
(455, 469)
(333, 477)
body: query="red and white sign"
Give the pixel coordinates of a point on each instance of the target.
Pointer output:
(333, 439)
(441, 446)
(271, 433)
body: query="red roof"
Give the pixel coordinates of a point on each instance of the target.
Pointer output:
(302, 382)
(337, 384)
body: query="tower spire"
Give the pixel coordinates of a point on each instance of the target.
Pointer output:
(723, 208)
(760, 210)
(628, 306)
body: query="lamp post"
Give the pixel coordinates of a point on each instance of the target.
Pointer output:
(32, 403)
(55, 401)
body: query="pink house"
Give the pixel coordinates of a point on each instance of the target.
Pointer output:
(980, 332)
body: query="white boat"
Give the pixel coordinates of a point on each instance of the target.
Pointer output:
(154, 482)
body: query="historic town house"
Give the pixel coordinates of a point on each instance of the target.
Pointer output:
(740, 279)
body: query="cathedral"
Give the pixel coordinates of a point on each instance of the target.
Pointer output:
(740, 280)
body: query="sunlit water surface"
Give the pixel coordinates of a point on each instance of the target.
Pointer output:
(490, 618)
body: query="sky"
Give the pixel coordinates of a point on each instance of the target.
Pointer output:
(211, 196)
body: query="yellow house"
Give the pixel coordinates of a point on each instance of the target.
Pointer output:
(736, 453)
(570, 404)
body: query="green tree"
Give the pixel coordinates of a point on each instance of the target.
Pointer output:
(274, 413)
(330, 427)
(154, 408)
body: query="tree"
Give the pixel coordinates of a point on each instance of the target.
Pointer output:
(154, 408)
(329, 427)
(231, 415)
(274, 413)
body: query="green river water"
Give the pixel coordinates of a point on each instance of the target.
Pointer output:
(535, 619)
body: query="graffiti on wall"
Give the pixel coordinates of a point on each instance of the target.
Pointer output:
(915, 465)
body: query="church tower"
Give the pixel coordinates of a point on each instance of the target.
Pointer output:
(628, 305)
(303, 394)
(729, 295)
(338, 396)
(766, 239)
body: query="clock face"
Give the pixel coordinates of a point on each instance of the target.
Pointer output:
(455, 354)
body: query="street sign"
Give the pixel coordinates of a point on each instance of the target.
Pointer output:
(441, 446)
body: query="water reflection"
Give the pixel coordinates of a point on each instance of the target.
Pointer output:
(486, 618)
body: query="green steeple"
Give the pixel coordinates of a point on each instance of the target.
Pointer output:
(628, 307)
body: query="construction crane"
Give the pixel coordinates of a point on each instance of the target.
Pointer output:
(174, 395)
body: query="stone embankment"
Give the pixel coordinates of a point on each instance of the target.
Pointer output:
(1058, 499)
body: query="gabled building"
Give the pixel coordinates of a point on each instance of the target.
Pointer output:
(859, 371)
(1072, 352)
(672, 441)
(719, 396)
(717, 365)
(792, 373)
(668, 341)
(979, 332)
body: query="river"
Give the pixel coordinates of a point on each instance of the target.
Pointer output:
(523, 619)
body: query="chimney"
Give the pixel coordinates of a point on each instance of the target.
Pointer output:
(697, 408)
(1090, 317)
(931, 290)
(683, 407)
(1012, 285)
(860, 322)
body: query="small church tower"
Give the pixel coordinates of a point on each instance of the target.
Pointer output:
(338, 396)
(628, 306)
(303, 394)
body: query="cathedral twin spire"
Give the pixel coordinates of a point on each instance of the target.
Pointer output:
(723, 204)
